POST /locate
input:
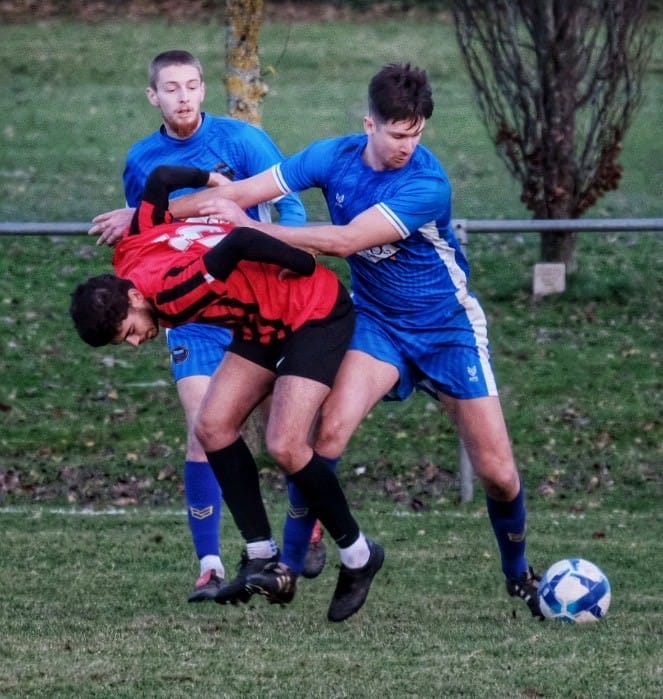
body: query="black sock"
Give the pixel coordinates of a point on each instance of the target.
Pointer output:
(236, 471)
(320, 487)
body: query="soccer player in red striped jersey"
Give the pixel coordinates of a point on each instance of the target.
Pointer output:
(292, 322)
(194, 138)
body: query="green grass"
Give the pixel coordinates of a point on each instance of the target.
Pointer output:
(97, 609)
(95, 606)
(580, 373)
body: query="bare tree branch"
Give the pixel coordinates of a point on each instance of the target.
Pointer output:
(557, 83)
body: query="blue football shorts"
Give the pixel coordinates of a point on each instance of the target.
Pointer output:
(196, 349)
(436, 351)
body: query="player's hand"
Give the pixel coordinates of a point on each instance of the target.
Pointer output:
(111, 225)
(216, 179)
(226, 210)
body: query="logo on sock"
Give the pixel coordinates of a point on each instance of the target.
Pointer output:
(297, 512)
(516, 537)
(201, 512)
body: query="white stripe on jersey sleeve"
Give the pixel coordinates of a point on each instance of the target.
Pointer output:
(393, 219)
(278, 177)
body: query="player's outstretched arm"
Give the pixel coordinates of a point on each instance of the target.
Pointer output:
(369, 229)
(246, 193)
(110, 226)
(250, 244)
(164, 179)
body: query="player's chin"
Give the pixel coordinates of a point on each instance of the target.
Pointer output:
(184, 128)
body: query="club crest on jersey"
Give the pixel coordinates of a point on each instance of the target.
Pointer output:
(340, 198)
(378, 252)
(473, 373)
(224, 169)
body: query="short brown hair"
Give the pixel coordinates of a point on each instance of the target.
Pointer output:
(174, 57)
(400, 92)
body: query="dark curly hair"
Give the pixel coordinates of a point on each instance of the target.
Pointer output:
(98, 307)
(400, 92)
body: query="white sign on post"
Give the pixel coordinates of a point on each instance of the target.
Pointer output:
(549, 278)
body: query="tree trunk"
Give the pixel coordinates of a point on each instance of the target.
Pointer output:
(244, 92)
(556, 35)
(244, 87)
(560, 246)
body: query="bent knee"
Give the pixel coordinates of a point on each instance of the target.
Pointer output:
(213, 436)
(290, 453)
(332, 437)
(202, 432)
(501, 484)
(281, 449)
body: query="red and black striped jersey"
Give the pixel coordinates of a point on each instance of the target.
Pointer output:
(167, 263)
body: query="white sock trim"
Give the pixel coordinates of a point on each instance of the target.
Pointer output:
(212, 563)
(356, 555)
(266, 548)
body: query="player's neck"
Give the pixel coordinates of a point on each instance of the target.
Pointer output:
(369, 157)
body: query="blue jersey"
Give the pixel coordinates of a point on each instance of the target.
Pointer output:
(229, 146)
(422, 269)
(414, 309)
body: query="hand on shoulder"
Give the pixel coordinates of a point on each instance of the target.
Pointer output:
(111, 225)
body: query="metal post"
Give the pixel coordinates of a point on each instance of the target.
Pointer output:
(466, 474)
(465, 470)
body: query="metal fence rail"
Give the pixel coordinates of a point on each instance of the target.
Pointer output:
(461, 228)
(31, 228)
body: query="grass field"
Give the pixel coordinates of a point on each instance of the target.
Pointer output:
(580, 374)
(95, 606)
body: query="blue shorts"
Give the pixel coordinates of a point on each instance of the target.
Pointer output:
(445, 351)
(196, 349)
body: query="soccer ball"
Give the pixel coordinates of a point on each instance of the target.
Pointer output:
(574, 590)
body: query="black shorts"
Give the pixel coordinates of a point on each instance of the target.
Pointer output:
(314, 351)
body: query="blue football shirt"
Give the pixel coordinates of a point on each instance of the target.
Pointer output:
(422, 269)
(229, 146)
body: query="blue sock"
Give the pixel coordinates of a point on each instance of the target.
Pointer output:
(509, 521)
(298, 526)
(204, 501)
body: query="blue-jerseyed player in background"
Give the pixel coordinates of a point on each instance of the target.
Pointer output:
(237, 150)
(418, 325)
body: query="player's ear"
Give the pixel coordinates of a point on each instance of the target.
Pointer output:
(369, 124)
(136, 299)
(203, 90)
(152, 97)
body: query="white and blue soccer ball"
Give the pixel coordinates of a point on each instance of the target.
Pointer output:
(574, 590)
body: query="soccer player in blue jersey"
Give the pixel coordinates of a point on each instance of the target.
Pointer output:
(237, 150)
(418, 324)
